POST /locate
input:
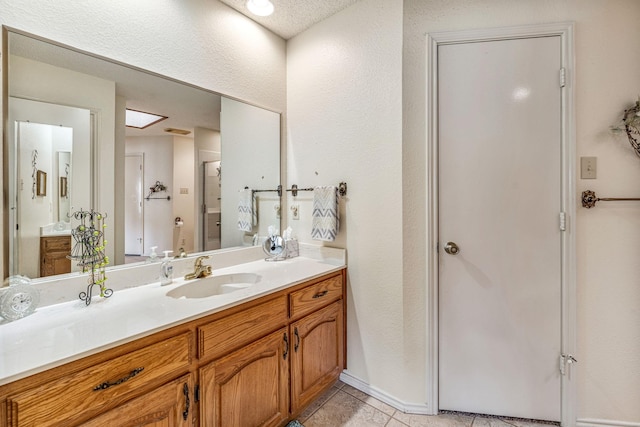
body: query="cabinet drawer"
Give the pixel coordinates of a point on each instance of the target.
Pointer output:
(79, 396)
(56, 244)
(228, 333)
(315, 296)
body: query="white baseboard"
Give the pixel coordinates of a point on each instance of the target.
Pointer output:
(410, 408)
(587, 422)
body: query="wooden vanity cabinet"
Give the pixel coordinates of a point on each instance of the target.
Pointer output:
(317, 339)
(318, 354)
(249, 387)
(171, 405)
(269, 381)
(257, 364)
(74, 393)
(53, 255)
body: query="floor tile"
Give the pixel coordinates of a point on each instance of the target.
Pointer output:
(381, 406)
(324, 397)
(395, 423)
(525, 423)
(442, 420)
(344, 410)
(479, 421)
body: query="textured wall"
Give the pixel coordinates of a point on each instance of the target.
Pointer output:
(344, 123)
(608, 237)
(202, 42)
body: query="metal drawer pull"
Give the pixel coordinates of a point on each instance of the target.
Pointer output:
(107, 384)
(286, 346)
(187, 402)
(295, 332)
(320, 294)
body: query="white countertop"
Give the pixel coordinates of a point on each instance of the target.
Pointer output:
(60, 333)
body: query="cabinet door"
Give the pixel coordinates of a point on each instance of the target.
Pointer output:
(249, 387)
(53, 255)
(318, 353)
(168, 406)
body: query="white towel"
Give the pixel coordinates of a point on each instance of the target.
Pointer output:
(325, 216)
(247, 212)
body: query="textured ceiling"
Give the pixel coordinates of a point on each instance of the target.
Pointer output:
(292, 17)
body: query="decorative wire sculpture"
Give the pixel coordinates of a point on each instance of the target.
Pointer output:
(156, 189)
(34, 174)
(88, 250)
(631, 121)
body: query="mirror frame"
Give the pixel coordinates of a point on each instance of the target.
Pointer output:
(4, 104)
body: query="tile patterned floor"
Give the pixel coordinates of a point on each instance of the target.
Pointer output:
(345, 406)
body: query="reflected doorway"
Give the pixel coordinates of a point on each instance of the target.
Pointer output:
(212, 175)
(133, 206)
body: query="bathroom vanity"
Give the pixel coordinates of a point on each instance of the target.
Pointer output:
(254, 357)
(53, 255)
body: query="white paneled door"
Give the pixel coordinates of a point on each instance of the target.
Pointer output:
(133, 209)
(499, 144)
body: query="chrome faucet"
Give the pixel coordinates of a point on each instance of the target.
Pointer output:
(199, 269)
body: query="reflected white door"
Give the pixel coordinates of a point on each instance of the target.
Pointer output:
(133, 206)
(499, 198)
(212, 173)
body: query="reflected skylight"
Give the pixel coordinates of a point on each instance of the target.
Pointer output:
(141, 120)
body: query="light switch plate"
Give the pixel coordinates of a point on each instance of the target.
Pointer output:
(588, 167)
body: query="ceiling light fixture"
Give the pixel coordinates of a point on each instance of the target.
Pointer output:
(260, 7)
(177, 131)
(141, 120)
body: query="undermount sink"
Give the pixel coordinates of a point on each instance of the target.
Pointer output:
(215, 285)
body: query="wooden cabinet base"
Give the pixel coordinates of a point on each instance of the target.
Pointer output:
(171, 405)
(317, 358)
(253, 365)
(249, 387)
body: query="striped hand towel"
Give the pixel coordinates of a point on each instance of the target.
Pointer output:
(325, 216)
(247, 213)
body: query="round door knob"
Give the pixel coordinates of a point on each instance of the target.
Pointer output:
(451, 248)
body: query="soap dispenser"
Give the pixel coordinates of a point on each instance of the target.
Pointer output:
(153, 256)
(166, 275)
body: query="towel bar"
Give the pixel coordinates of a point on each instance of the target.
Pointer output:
(342, 190)
(589, 199)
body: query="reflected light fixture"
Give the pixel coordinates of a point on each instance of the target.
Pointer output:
(141, 120)
(260, 7)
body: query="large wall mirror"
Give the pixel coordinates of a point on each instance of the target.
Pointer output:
(178, 184)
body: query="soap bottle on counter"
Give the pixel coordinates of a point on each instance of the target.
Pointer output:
(166, 274)
(153, 256)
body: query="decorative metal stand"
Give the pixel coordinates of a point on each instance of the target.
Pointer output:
(88, 250)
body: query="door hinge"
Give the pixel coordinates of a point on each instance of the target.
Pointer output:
(563, 77)
(566, 359)
(563, 221)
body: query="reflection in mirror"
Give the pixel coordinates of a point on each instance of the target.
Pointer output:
(63, 181)
(40, 131)
(112, 168)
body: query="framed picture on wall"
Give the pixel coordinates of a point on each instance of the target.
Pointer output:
(41, 183)
(63, 186)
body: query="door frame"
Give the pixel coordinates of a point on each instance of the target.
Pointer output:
(568, 205)
(141, 156)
